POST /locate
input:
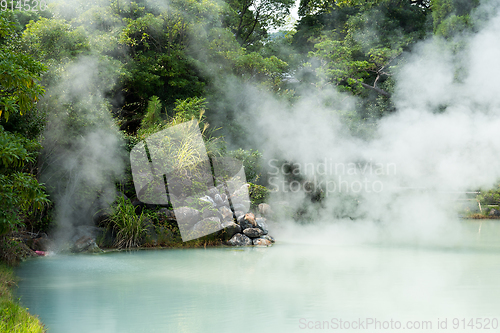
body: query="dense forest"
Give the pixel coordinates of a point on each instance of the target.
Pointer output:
(83, 81)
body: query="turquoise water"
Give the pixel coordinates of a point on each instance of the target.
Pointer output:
(290, 287)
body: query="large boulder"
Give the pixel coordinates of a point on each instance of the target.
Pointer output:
(239, 240)
(253, 232)
(230, 229)
(101, 217)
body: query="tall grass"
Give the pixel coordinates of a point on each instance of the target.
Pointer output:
(13, 317)
(129, 227)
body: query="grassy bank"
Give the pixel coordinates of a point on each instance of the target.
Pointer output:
(13, 317)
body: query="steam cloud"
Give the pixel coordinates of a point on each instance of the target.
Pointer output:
(83, 155)
(442, 139)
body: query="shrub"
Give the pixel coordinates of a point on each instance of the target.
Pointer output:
(258, 194)
(129, 227)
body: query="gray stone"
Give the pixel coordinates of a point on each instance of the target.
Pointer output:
(239, 240)
(245, 224)
(253, 232)
(261, 223)
(261, 242)
(230, 229)
(269, 238)
(248, 221)
(85, 244)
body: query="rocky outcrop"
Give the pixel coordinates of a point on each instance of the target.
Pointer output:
(254, 228)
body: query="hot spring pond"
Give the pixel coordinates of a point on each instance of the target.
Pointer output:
(290, 287)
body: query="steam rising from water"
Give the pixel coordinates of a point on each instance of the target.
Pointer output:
(83, 154)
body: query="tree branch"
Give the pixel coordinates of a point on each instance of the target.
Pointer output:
(377, 89)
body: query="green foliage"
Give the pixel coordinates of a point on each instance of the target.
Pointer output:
(129, 227)
(452, 25)
(258, 194)
(452, 16)
(20, 191)
(53, 40)
(250, 20)
(19, 73)
(490, 197)
(189, 109)
(153, 113)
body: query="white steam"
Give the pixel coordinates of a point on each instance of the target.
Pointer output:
(83, 154)
(442, 139)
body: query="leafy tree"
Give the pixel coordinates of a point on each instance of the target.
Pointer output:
(251, 19)
(53, 40)
(19, 91)
(19, 88)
